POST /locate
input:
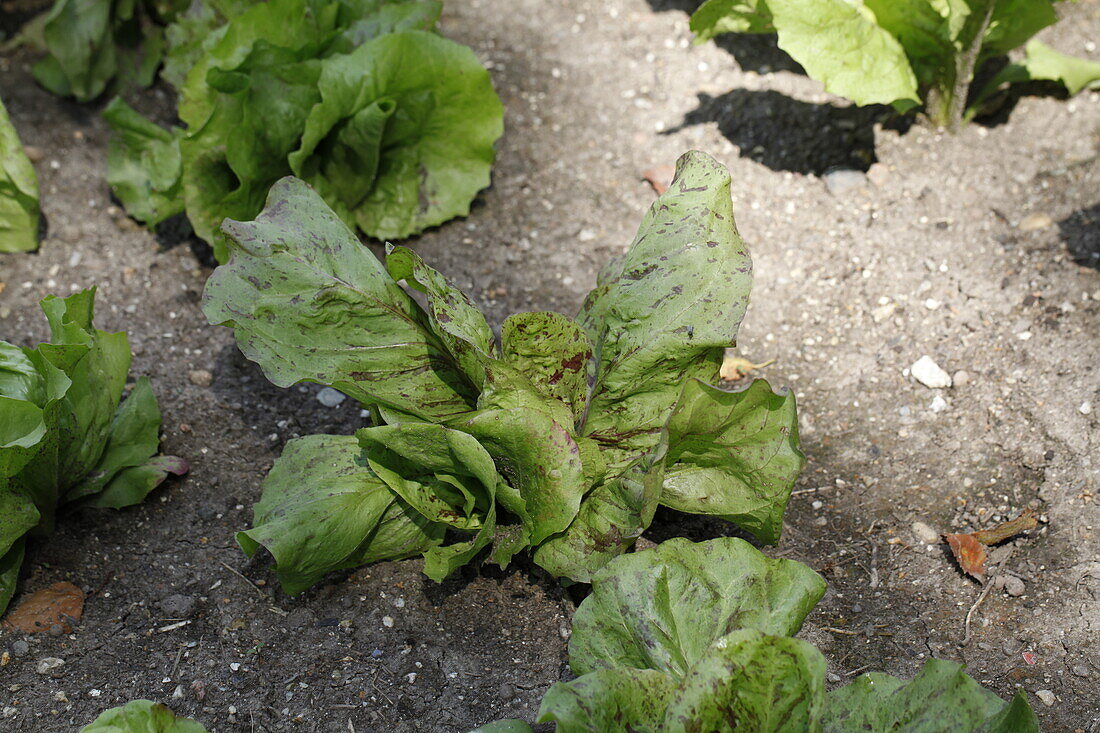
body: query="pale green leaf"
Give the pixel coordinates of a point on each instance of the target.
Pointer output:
(609, 700)
(715, 17)
(142, 716)
(143, 164)
(553, 352)
(664, 608)
(18, 192)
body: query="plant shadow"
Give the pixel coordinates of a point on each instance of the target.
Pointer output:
(1081, 233)
(787, 134)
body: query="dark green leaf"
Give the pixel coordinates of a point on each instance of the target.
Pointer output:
(143, 165)
(323, 509)
(18, 192)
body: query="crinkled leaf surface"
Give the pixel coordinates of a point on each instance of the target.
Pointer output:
(733, 455)
(663, 608)
(553, 352)
(143, 164)
(18, 192)
(609, 700)
(749, 681)
(82, 56)
(323, 509)
(941, 698)
(309, 303)
(142, 716)
(666, 311)
(610, 520)
(403, 146)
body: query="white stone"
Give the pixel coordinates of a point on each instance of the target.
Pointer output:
(48, 664)
(939, 404)
(925, 533)
(1085, 408)
(1045, 696)
(929, 373)
(330, 397)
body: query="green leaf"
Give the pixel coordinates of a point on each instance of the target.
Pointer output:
(142, 716)
(840, 44)
(609, 700)
(928, 36)
(553, 352)
(542, 464)
(10, 563)
(195, 31)
(715, 17)
(664, 608)
(504, 726)
(1014, 22)
(323, 509)
(749, 681)
(82, 57)
(446, 476)
(131, 485)
(21, 433)
(454, 319)
(143, 164)
(18, 192)
(666, 311)
(399, 147)
(611, 519)
(309, 303)
(733, 455)
(1042, 63)
(18, 516)
(941, 698)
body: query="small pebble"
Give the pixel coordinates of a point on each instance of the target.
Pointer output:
(821, 521)
(1045, 696)
(48, 664)
(1085, 408)
(330, 397)
(178, 606)
(840, 181)
(939, 404)
(960, 378)
(20, 648)
(1034, 222)
(387, 621)
(69, 233)
(816, 504)
(925, 533)
(506, 692)
(1014, 586)
(201, 378)
(929, 373)
(832, 677)
(1081, 670)
(34, 155)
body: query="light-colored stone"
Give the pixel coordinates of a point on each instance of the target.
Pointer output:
(882, 312)
(939, 404)
(960, 378)
(330, 397)
(1045, 696)
(925, 533)
(201, 377)
(1085, 408)
(1035, 222)
(929, 373)
(843, 180)
(1014, 586)
(34, 155)
(48, 664)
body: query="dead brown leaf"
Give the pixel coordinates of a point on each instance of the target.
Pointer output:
(1008, 529)
(660, 177)
(969, 553)
(61, 603)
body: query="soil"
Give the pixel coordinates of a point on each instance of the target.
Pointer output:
(980, 250)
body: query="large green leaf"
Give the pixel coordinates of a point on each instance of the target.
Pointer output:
(609, 700)
(941, 698)
(664, 608)
(82, 60)
(1043, 63)
(18, 192)
(399, 147)
(733, 455)
(927, 35)
(666, 311)
(142, 716)
(715, 17)
(143, 164)
(840, 44)
(749, 681)
(1014, 22)
(323, 509)
(309, 303)
(611, 519)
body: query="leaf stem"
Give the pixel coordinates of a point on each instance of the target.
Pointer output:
(964, 70)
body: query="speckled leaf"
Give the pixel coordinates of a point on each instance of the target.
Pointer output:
(542, 464)
(553, 351)
(668, 309)
(142, 716)
(323, 509)
(611, 519)
(18, 192)
(749, 681)
(309, 303)
(942, 698)
(446, 476)
(454, 319)
(733, 455)
(609, 700)
(143, 164)
(663, 608)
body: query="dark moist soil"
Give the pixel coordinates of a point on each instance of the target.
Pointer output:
(979, 250)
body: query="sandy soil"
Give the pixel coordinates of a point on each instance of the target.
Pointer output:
(929, 257)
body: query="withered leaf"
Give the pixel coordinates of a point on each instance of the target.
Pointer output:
(61, 603)
(969, 553)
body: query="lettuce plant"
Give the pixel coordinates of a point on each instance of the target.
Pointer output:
(90, 43)
(18, 192)
(65, 439)
(324, 90)
(698, 637)
(142, 716)
(905, 52)
(561, 437)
